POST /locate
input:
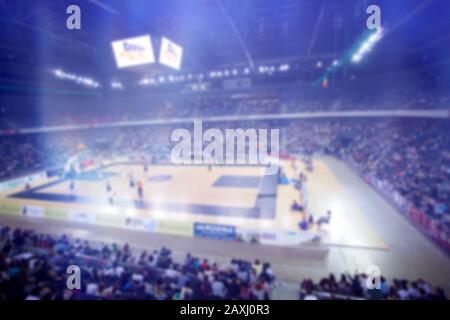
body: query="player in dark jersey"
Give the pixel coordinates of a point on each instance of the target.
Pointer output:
(72, 188)
(140, 190)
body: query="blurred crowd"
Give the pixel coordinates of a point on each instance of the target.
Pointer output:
(34, 266)
(94, 111)
(409, 157)
(355, 286)
(17, 156)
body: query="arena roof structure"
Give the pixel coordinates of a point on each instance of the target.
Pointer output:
(216, 34)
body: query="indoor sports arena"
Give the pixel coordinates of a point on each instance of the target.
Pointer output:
(224, 150)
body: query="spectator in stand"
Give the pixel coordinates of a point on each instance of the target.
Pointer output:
(32, 266)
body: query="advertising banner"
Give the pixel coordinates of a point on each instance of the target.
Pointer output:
(175, 227)
(32, 211)
(137, 223)
(214, 231)
(81, 216)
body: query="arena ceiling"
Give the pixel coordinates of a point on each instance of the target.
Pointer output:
(215, 33)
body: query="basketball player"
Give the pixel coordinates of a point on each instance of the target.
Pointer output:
(303, 224)
(131, 182)
(324, 219)
(72, 187)
(140, 190)
(310, 219)
(108, 187)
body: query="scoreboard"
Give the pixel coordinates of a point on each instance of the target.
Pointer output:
(139, 51)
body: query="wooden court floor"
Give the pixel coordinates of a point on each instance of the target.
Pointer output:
(190, 193)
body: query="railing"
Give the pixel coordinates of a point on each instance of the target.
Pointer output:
(442, 114)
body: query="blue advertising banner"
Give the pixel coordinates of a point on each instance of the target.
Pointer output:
(214, 231)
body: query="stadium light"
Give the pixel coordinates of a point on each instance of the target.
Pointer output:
(88, 82)
(376, 36)
(147, 81)
(284, 67)
(58, 73)
(144, 82)
(367, 45)
(116, 85)
(356, 58)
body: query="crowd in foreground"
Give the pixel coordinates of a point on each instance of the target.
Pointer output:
(34, 266)
(355, 287)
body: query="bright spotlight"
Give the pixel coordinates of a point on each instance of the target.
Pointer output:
(367, 45)
(116, 85)
(356, 58)
(144, 81)
(283, 68)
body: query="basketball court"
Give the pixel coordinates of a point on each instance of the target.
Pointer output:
(176, 198)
